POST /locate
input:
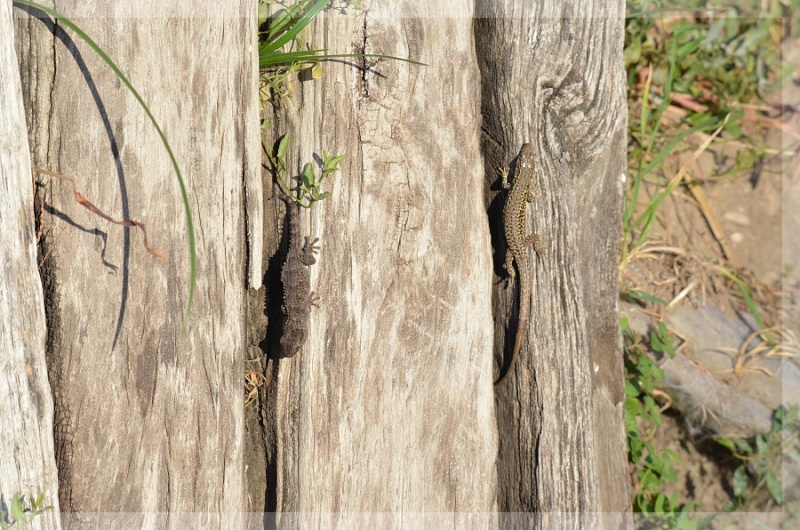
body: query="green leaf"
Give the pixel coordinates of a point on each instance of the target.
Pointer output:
(283, 145)
(734, 129)
(316, 56)
(645, 297)
(332, 164)
(774, 487)
(743, 446)
(762, 446)
(632, 52)
(661, 499)
(632, 407)
(17, 508)
(689, 48)
(263, 13)
(647, 384)
(650, 483)
(308, 175)
(726, 442)
(664, 340)
(740, 481)
(669, 474)
(37, 501)
(287, 58)
(673, 501)
(777, 419)
(670, 454)
(635, 445)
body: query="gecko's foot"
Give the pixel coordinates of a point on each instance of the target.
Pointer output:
(313, 299)
(311, 247)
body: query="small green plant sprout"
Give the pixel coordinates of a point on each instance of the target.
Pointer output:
(653, 468)
(20, 512)
(761, 461)
(309, 187)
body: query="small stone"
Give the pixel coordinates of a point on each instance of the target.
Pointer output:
(736, 218)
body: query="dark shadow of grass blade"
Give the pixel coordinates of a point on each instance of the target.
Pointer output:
(184, 193)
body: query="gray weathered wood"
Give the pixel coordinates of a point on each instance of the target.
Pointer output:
(147, 419)
(27, 458)
(553, 75)
(389, 407)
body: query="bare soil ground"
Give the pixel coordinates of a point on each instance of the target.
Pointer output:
(748, 223)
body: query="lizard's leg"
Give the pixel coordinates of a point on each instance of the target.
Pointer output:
(536, 241)
(313, 299)
(531, 193)
(510, 268)
(308, 251)
(533, 239)
(311, 247)
(506, 184)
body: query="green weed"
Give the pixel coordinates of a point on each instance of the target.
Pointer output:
(282, 49)
(309, 187)
(653, 468)
(21, 512)
(283, 52)
(693, 67)
(706, 60)
(761, 460)
(724, 54)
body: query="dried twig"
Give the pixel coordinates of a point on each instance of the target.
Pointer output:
(83, 201)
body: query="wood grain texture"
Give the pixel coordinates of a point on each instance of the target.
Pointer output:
(27, 454)
(386, 416)
(149, 423)
(553, 76)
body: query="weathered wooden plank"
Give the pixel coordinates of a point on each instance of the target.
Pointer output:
(148, 421)
(389, 407)
(553, 76)
(27, 457)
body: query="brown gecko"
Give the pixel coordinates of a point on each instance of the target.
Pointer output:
(296, 278)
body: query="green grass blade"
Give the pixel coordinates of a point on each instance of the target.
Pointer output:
(276, 59)
(184, 194)
(649, 214)
(633, 197)
(313, 56)
(747, 297)
(666, 97)
(308, 16)
(282, 20)
(706, 124)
